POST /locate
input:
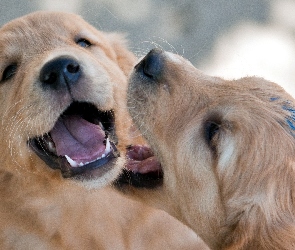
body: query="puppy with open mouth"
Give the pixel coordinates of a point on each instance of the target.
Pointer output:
(59, 95)
(64, 126)
(226, 149)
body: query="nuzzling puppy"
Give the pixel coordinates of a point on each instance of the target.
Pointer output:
(227, 150)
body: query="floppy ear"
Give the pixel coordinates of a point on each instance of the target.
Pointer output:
(125, 58)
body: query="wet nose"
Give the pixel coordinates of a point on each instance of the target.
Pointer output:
(60, 73)
(152, 64)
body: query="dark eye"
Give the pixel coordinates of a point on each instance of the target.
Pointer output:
(84, 43)
(211, 128)
(9, 72)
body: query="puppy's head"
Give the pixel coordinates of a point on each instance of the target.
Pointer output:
(62, 95)
(226, 147)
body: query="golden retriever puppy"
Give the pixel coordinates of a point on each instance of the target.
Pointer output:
(63, 126)
(227, 151)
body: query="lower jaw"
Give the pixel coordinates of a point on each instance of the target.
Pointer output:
(101, 179)
(92, 171)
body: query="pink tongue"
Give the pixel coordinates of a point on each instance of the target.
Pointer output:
(79, 139)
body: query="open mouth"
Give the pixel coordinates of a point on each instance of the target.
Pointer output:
(142, 168)
(81, 142)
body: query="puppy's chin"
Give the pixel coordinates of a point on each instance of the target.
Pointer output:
(102, 176)
(81, 144)
(142, 169)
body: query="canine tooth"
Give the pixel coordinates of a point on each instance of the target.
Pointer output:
(100, 124)
(108, 146)
(72, 162)
(103, 155)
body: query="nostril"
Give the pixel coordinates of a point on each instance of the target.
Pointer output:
(150, 67)
(152, 64)
(49, 78)
(73, 68)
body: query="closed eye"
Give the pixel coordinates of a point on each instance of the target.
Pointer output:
(9, 72)
(211, 128)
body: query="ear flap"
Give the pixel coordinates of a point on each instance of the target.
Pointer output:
(125, 58)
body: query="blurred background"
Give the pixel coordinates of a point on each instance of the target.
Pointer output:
(228, 38)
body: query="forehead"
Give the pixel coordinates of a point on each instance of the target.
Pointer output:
(40, 30)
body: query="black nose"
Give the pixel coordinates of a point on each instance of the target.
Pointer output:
(60, 72)
(152, 64)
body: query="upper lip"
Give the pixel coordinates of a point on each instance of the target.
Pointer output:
(82, 139)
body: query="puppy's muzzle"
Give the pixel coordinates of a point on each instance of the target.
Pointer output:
(82, 141)
(60, 73)
(142, 168)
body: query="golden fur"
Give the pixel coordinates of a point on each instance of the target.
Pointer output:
(227, 149)
(40, 209)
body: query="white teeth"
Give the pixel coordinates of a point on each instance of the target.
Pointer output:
(72, 162)
(108, 146)
(75, 164)
(100, 124)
